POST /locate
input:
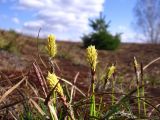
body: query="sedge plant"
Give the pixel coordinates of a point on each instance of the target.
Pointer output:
(53, 81)
(108, 74)
(111, 71)
(143, 91)
(56, 111)
(92, 60)
(136, 67)
(140, 82)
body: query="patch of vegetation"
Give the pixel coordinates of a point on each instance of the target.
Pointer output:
(3, 43)
(64, 55)
(9, 43)
(57, 98)
(12, 34)
(9, 46)
(153, 80)
(101, 37)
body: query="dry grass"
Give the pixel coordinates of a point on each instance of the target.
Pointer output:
(71, 59)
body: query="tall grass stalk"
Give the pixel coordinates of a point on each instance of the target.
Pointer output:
(100, 106)
(137, 72)
(143, 91)
(92, 60)
(144, 103)
(110, 73)
(113, 101)
(92, 99)
(139, 102)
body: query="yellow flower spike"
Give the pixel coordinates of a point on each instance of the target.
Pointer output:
(92, 57)
(52, 79)
(136, 63)
(111, 71)
(52, 47)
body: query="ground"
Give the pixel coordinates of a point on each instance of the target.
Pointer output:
(71, 59)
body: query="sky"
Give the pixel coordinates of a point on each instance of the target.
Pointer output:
(67, 19)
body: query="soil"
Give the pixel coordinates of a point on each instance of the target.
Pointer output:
(13, 66)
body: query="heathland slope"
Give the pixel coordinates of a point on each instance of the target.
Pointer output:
(71, 59)
(18, 53)
(71, 56)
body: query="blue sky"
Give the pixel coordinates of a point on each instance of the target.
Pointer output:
(120, 12)
(67, 19)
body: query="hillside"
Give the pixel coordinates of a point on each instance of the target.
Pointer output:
(71, 56)
(19, 52)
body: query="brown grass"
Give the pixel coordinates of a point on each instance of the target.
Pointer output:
(71, 60)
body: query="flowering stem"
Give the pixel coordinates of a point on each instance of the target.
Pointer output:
(138, 80)
(138, 97)
(92, 105)
(143, 91)
(92, 60)
(144, 104)
(112, 92)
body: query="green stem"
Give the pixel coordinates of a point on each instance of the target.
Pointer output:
(92, 105)
(138, 97)
(143, 91)
(143, 95)
(54, 98)
(112, 92)
(100, 105)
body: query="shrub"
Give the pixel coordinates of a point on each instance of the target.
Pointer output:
(9, 45)
(3, 43)
(101, 37)
(12, 34)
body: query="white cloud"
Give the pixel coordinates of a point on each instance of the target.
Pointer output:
(68, 19)
(128, 35)
(15, 20)
(18, 30)
(122, 28)
(34, 25)
(31, 3)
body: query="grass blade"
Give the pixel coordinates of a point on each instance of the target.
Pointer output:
(72, 90)
(52, 112)
(11, 90)
(151, 63)
(66, 81)
(42, 83)
(37, 107)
